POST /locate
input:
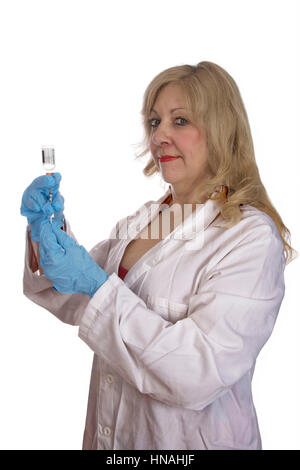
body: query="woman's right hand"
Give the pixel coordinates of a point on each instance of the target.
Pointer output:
(36, 206)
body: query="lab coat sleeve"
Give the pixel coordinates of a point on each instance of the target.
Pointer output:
(194, 361)
(69, 308)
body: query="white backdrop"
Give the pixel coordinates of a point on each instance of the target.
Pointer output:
(73, 74)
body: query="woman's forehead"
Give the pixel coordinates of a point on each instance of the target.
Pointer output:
(172, 96)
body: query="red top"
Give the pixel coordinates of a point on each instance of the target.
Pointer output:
(122, 271)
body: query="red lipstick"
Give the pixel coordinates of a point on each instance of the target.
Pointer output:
(167, 158)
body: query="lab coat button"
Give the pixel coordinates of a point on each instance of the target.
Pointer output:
(107, 431)
(109, 379)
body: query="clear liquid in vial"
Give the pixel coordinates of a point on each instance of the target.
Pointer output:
(48, 157)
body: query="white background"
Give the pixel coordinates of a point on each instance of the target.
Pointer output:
(73, 74)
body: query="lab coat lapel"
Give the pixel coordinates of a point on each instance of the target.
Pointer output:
(190, 232)
(189, 235)
(126, 232)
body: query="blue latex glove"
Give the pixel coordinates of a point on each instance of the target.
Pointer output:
(36, 206)
(68, 265)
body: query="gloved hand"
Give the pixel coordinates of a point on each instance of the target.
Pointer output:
(68, 265)
(36, 206)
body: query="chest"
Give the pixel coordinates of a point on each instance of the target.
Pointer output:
(152, 234)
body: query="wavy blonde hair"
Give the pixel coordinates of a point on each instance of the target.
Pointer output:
(214, 104)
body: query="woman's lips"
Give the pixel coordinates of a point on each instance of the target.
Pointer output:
(168, 158)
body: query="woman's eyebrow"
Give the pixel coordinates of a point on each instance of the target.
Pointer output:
(172, 110)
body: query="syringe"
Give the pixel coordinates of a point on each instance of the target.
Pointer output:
(48, 157)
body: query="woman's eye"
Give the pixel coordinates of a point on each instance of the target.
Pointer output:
(181, 119)
(153, 122)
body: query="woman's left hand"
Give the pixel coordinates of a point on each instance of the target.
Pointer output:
(68, 265)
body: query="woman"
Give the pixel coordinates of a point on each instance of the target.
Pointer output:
(177, 332)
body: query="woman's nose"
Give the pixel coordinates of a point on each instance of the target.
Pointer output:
(161, 135)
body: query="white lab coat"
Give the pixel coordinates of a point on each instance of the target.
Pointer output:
(176, 342)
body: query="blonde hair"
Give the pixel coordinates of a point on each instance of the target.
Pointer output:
(214, 103)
